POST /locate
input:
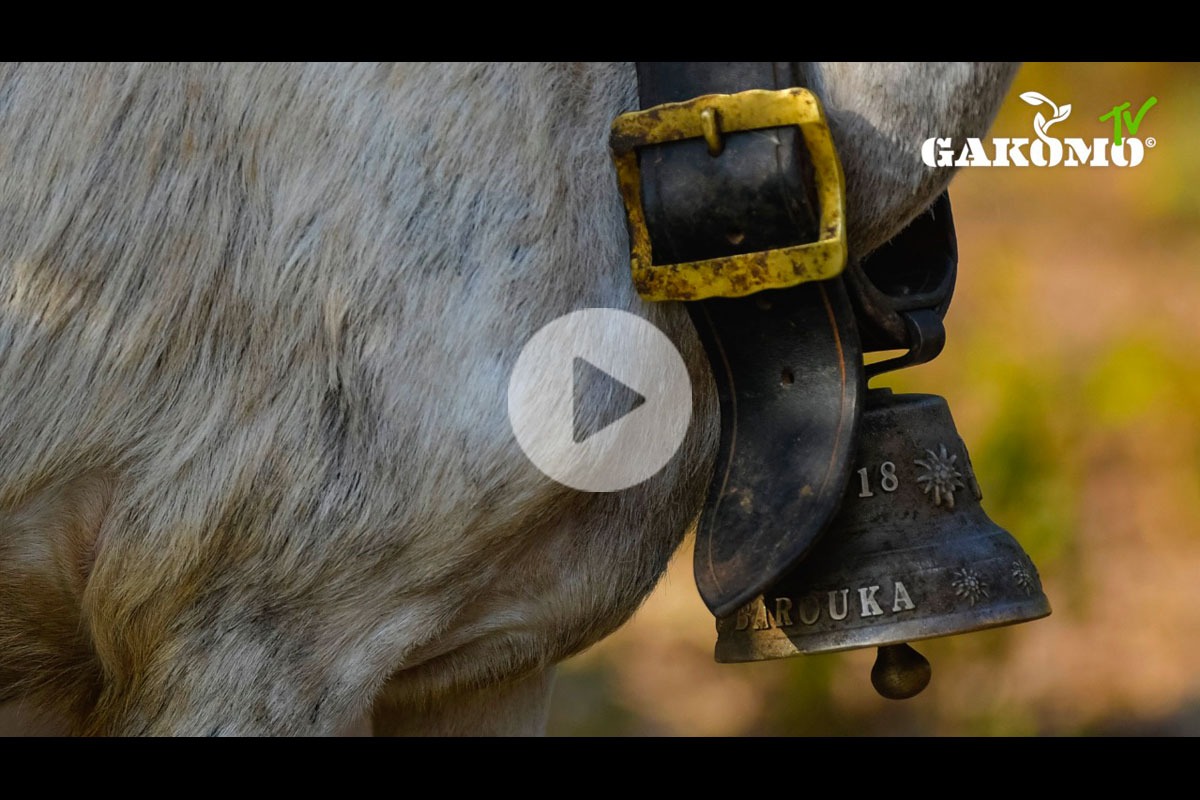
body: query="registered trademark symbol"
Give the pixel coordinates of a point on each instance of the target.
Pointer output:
(1151, 141)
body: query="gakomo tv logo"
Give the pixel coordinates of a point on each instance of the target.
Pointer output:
(1047, 151)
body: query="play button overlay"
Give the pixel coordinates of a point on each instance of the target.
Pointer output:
(599, 400)
(595, 384)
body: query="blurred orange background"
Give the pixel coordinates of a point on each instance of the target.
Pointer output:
(1070, 369)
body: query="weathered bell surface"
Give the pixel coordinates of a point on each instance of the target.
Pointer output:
(911, 555)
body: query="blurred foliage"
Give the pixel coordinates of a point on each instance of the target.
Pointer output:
(1071, 373)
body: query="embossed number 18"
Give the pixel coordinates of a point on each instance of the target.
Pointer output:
(887, 479)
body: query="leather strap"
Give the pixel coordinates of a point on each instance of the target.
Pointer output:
(755, 196)
(915, 272)
(788, 363)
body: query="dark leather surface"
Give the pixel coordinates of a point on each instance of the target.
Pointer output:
(915, 271)
(788, 368)
(755, 196)
(788, 363)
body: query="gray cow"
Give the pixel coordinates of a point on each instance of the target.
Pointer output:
(256, 324)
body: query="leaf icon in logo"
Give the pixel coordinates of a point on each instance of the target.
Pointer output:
(1037, 98)
(1040, 123)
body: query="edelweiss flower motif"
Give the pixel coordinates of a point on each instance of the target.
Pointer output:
(969, 585)
(1026, 576)
(940, 477)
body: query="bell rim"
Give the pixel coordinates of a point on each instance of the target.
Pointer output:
(776, 643)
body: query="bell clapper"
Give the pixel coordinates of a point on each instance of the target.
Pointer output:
(900, 672)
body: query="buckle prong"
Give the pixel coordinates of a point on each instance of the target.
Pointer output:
(711, 123)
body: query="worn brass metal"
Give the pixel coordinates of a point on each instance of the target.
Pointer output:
(900, 672)
(708, 117)
(711, 124)
(911, 555)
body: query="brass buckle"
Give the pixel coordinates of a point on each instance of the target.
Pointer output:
(707, 117)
